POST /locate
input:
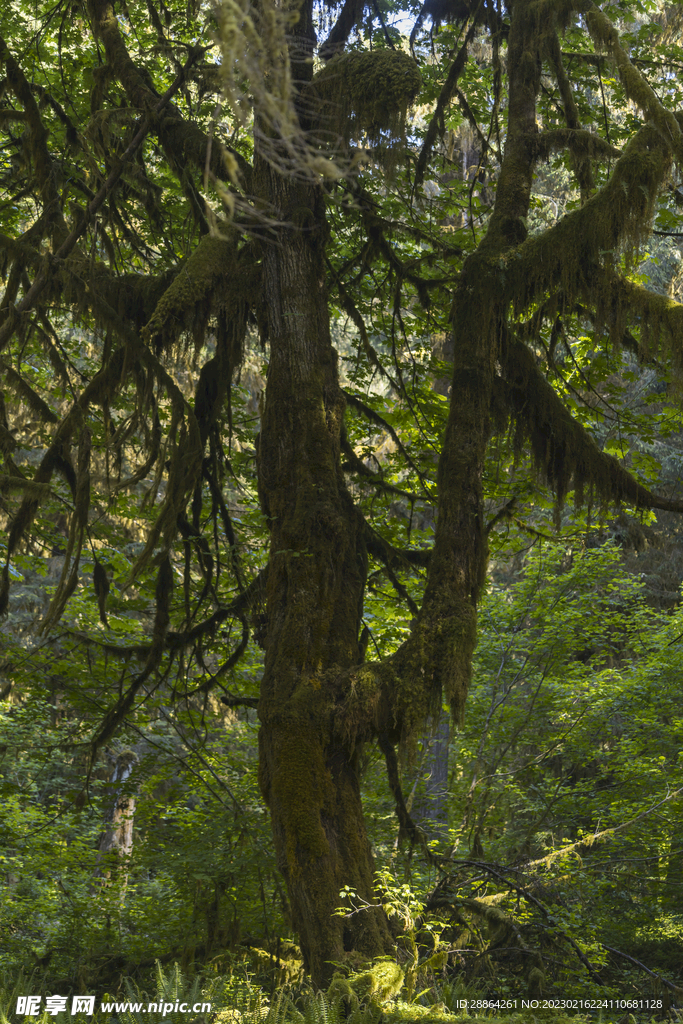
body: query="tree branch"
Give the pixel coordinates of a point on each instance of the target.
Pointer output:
(445, 97)
(179, 137)
(349, 16)
(67, 246)
(379, 421)
(565, 255)
(562, 449)
(637, 87)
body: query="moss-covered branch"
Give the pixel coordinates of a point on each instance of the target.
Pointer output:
(212, 277)
(582, 145)
(637, 87)
(37, 141)
(564, 257)
(661, 318)
(582, 166)
(445, 97)
(182, 141)
(563, 450)
(349, 16)
(366, 92)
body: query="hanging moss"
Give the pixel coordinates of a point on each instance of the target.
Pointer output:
(367, 92)
(563, 451)
(571, 253)
(636, 86)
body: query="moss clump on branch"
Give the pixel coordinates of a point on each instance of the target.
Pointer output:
(185, 305)
(369, 93)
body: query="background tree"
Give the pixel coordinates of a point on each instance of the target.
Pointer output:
(151, 237)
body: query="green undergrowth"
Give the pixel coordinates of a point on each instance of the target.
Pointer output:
(368, 997)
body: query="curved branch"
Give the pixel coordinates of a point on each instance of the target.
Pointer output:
(349, 16)
(407, 826)
(356, 465)
(386, 553)
(52, 263)
(379, 421)
(566, 254)
(637, 87)
(250, 597)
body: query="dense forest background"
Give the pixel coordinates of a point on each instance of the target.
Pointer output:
(524, 822)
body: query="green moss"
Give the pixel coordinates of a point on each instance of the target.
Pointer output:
(288, 970)
(566, 256)
(186, 297)
(384, 980)
(367, 92)
(376, 985)
(535, 982)
(296, 788)
(637, 88)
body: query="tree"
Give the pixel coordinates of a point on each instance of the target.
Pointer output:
(140, 221)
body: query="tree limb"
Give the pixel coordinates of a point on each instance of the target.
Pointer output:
(179, 137)
(564, 450)
(40, 281)
(445, 97)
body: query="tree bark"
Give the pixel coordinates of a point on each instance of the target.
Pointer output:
(316, 579)
(317, 565)
(430, 804)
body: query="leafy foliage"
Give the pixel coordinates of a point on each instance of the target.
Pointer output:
(145, 552)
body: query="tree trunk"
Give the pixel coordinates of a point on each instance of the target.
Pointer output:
(118, 835)
(430, 807)
(316, 579)
(317, 560)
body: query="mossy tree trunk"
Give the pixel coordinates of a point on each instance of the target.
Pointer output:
(442, 646)
(317, 566)
(316, 579)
